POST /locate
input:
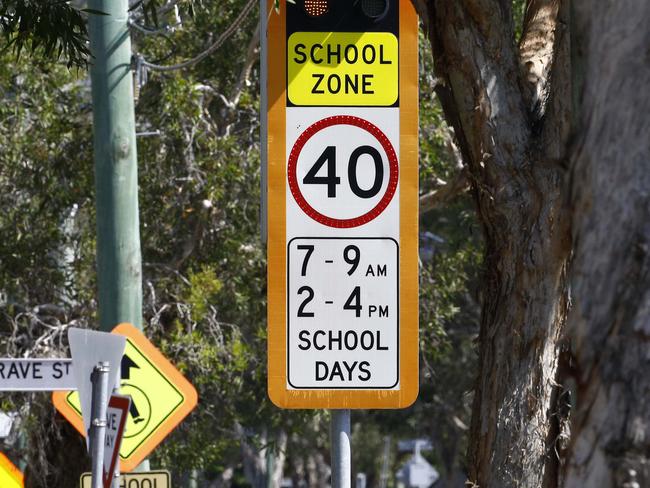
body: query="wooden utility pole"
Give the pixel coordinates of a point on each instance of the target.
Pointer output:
(119, 265)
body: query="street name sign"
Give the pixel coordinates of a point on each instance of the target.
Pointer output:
(341, 128)
(160, 395)
(10, 475)
(36, 374)
(150, 479)
(116, 413)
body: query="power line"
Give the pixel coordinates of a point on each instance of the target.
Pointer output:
(216, 45)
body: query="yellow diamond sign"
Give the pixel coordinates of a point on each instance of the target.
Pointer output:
(10, 475)
(160, 398)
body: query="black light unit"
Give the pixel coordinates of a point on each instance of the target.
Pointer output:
(316, 8)
(374, 9)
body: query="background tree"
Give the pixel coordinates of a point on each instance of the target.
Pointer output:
(508, 105)
(513, 103)
(610, 201)
(513, 81)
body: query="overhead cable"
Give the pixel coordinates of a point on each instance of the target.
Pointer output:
(216, 45)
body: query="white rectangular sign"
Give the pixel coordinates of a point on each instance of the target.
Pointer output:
(343, 323)
(343, 248)
(36, 374)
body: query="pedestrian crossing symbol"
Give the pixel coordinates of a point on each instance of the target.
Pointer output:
(160, 398)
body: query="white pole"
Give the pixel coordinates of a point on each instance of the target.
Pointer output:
(341, 452)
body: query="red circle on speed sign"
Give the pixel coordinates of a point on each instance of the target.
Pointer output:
(392, 178)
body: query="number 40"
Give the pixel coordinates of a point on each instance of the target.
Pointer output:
(332, 180)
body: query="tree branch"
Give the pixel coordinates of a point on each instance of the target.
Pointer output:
(445, 193)
(475, 58)
(251, 58)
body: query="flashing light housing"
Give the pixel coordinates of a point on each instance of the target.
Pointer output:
(316, 8)
(374, 9)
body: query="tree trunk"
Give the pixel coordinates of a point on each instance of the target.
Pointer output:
(512, 128)
(224, 480)
(610, 319)
(256, 462)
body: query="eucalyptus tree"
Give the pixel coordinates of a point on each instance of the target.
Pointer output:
(552, 127)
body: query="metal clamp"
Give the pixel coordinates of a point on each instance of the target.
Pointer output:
(102, 367)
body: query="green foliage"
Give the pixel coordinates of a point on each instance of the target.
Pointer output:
(368, 449)
(54, 30)
(200, 236)
(203, 288)
(44, 178)
(518, 12)
(204, 269)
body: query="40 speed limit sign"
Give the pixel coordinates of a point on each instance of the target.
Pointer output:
(341, 184)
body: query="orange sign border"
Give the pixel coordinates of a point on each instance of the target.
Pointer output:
(409, 177)
(166, 368)
(11, 469)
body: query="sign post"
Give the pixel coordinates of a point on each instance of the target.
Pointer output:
(341, 449)
(92, 380)
(97, 431)
(116, 467)
(342, 207)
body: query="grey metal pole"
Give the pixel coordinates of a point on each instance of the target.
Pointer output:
(341, 452)
(194, 479)
(99, 404)
(264, 105)
(270, 465)
(361, 480)
(22, 444)
(116, 475)
(119, 273)
(383, 480)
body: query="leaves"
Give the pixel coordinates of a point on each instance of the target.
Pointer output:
(203, 288)
(204, 271)
(56, 30)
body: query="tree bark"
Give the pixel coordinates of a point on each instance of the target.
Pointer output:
(610, 183)
(512, 126)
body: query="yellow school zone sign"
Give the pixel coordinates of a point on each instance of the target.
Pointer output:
(10, 475)
(343, 68)
(160, 398)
